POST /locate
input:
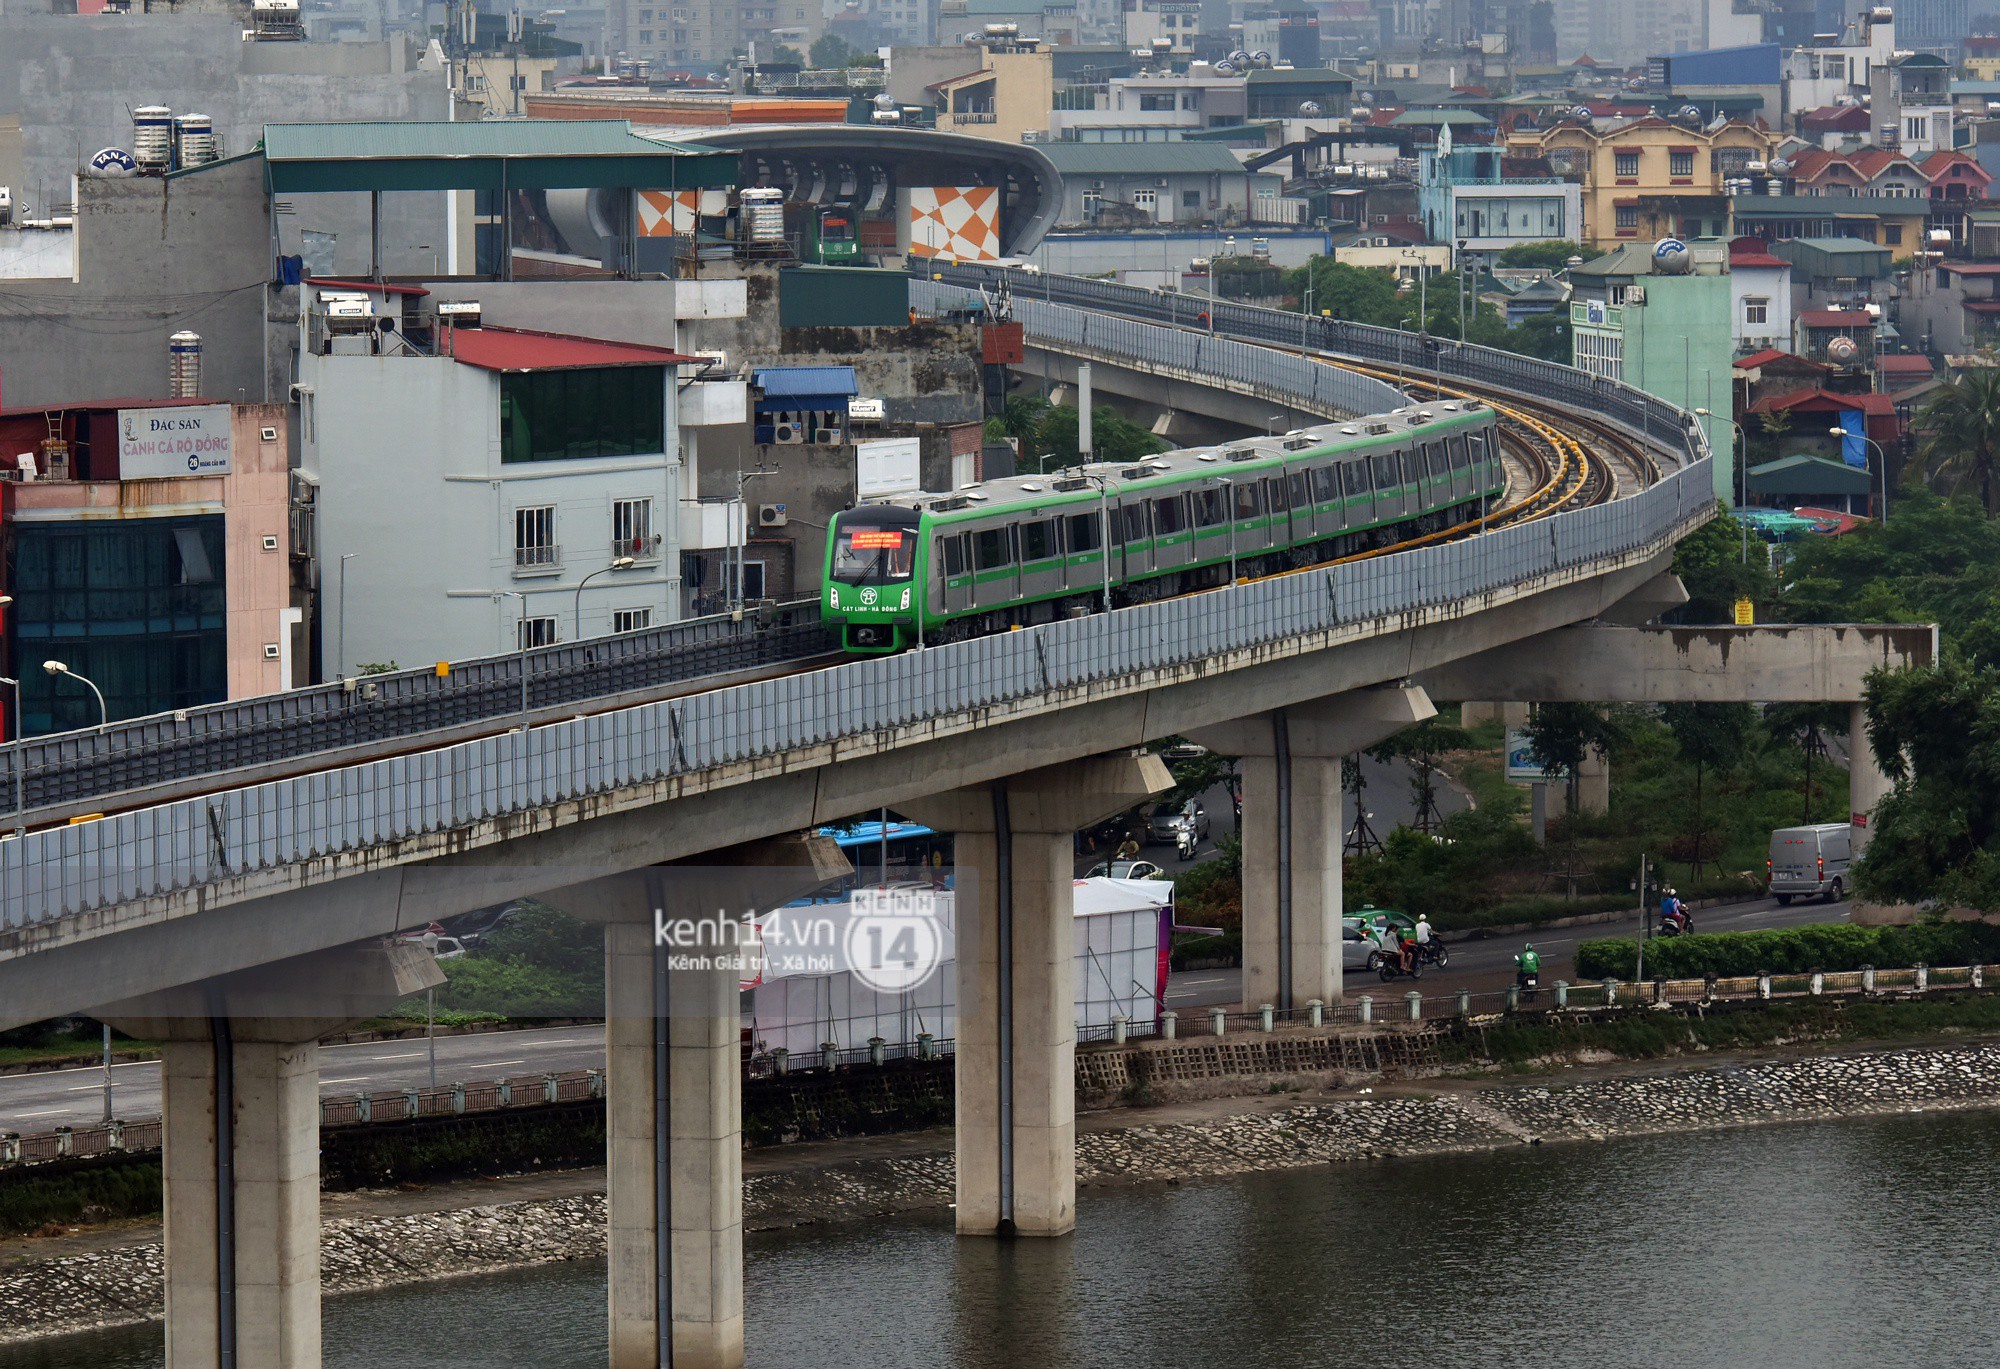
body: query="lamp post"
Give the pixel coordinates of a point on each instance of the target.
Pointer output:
(1881, 456)
(1271, 424)
(103, 712)
(520, 641)
(576, 616)
(1305, 307)
(1738, 440)
(19, 761)
(1103, 529)
(1464, 271)
(340, 665)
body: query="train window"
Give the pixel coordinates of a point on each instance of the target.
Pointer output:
(1456, 448)
(1169, 516)
(1249, 502)
(1038, 540)
(1386, 475)
(1413, 468)
(1208, 508)
(1301, 490)
(1476, 444)
(1276, 494)
(1326, 484)
(1083, 532)
(954, 555)
(1133, 521)
(992, 548)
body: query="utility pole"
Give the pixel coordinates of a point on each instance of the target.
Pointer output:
(1645, 922)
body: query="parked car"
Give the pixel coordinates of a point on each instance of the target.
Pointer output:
(1125, 869)
(1168, 820)
(1811, 861)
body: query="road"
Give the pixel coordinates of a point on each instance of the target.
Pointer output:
(74, 1097)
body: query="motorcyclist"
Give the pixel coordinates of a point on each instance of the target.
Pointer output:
(1185, 840)
(1673, 912)
(1528, 962)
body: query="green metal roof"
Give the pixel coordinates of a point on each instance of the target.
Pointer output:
(1140, 159)
(1830, 206)
(1426, 118)
(491, 154)
(1805, 474)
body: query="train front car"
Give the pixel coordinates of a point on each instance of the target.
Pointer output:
(874, 578)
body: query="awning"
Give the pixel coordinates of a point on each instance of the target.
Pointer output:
(1809, 475)
(804, 387)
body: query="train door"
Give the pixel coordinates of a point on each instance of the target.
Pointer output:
(1251, 526)
(1173, 535)
(1039, 539)
(996, 570)
(954, 559)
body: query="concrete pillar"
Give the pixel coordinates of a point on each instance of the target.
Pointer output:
(1016, 1029)
(1474, 712)
(239, 1105)
(1866, 784)
(1593, 783)
(1293, 823)
(674, 1090)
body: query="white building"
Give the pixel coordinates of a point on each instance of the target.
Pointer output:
(1840, 71)
(1760, 299)
(484, 487)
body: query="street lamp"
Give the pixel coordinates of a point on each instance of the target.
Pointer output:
(1271, 424)
(340, 665)
(576, 617)
(1882, 456)
(1103, 529)
(1737, 437)
(1464, 272)
(520, 641)
(19, 762)
(1305, 307)
(103, 712)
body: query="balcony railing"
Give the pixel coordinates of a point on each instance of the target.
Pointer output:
(638, 548)
(542, 560)
(974, 117)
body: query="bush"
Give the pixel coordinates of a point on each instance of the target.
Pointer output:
(1793, 950)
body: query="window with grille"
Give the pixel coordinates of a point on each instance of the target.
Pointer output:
(1625, 163)
(1756, 310)
(533, 632)
(1627, 216)
(535, 545)
(1680, 163)
(631, 619)
(632, 529)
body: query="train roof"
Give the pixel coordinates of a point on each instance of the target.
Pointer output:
(1367, 431)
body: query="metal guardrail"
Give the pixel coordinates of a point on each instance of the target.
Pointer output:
(76, 768)
(332, 813)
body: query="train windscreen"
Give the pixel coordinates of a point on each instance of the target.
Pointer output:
(874, 556)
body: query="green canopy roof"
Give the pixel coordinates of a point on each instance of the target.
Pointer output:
(1804, 474)
(489, 154)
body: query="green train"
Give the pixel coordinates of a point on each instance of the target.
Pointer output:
(1033, 548)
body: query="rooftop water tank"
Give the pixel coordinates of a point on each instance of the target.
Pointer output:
(153, 139)
(184, 365)
(194, 140)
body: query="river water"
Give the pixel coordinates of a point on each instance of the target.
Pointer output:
(1824, 1245)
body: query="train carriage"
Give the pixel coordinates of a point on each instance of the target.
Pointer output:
(1034, 548)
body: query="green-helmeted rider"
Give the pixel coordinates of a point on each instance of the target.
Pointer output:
(1527, 962)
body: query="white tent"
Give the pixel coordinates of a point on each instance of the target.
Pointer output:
(808, 993)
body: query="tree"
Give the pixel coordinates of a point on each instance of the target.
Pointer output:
(1348, 292)
(1551, 254)
(1422, 746)
(1112, 438)
(1936, 733)
(789, 57)
(1712, 736)
(1711, 566)
(1806, 727)
(830, 51)
(1543, 336)
(1959, 446)
(1561, 736)
(1021, 417)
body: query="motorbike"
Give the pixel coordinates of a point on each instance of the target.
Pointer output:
(1433, 952)
(1677, 925)
(1185, 841)
(1389, 967)
(1530, 983)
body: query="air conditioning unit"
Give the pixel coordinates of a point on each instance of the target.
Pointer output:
(792, 434)
(826, 437)
(1635, 295)
(771, 516)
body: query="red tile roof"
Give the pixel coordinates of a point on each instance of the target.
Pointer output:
(1912, 364)
(1836, 118)
(1813, 397)
(97, 405)
(1836, 318)
(520, 349)
(1744, 260)
(376, 287)
(1971, 268)
(1758, 360)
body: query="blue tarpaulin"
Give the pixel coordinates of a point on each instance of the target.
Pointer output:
(1853, 450)
(805, 382)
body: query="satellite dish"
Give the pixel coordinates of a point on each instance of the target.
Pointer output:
(114, 161)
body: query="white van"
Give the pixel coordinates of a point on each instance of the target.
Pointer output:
(1811, 860)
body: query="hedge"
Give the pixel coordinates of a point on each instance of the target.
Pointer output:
(1829, 946)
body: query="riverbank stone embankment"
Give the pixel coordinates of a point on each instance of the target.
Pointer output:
(75, 1292)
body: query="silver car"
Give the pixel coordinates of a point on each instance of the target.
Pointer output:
(1168, 821)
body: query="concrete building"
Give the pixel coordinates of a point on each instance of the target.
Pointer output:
(1670, 335)
(1840, 71)
(1465, 195)
(1893, 221)
(1649, 178)
(470, 479)
(1760, 297)
(1951, 308)
(147, 546)
(1003, 90)
(1135, 184)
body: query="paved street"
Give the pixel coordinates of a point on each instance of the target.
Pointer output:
(75, 1096)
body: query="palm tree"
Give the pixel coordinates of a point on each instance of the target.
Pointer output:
(1960, 444)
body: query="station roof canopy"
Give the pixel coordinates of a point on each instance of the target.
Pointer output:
(492, 154)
